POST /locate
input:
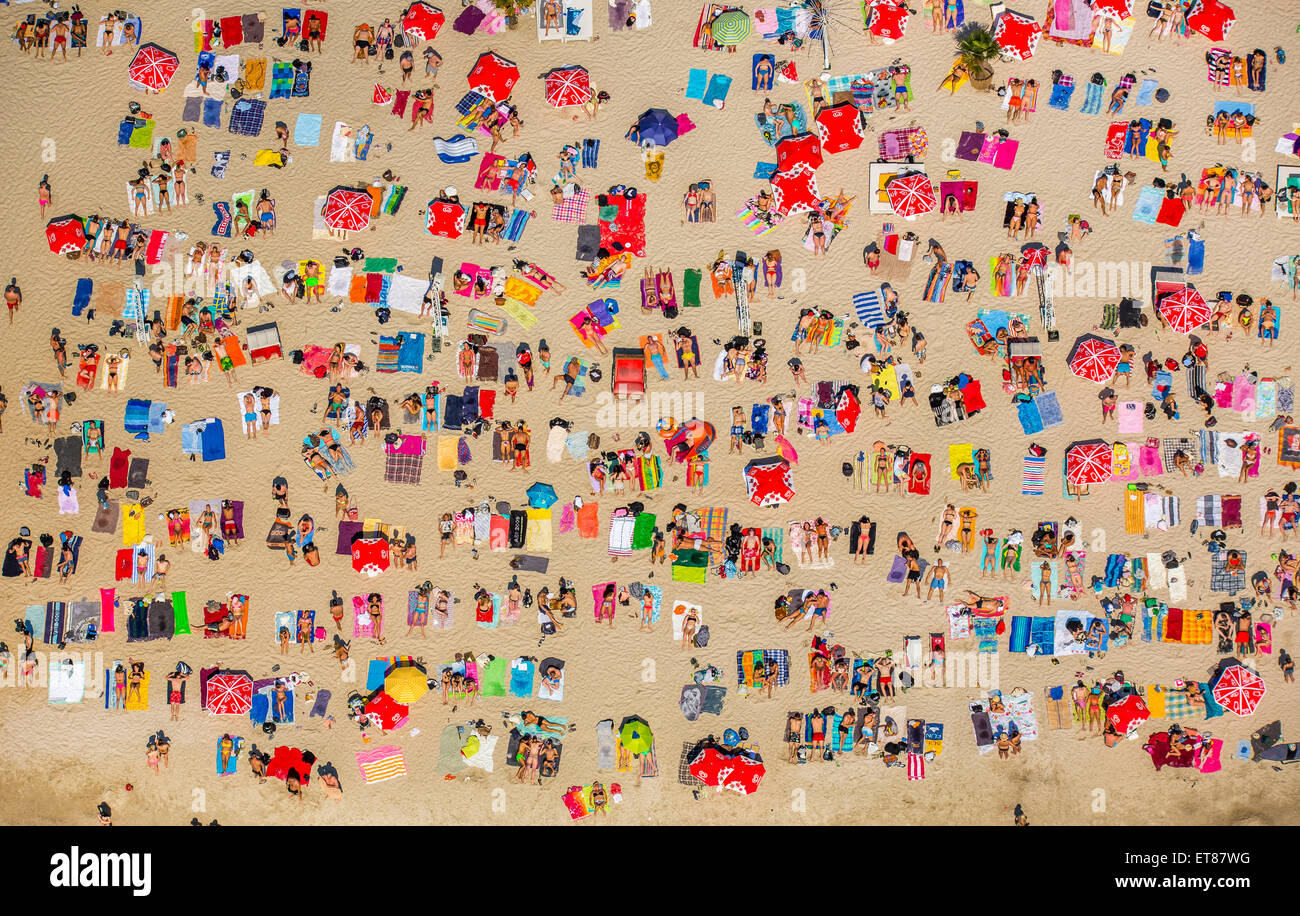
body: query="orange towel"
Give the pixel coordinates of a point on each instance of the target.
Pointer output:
(357, 290)
(588, 521)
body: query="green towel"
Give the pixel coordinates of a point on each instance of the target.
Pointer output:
(182, 611)
(142, 137)
(381, 265)
(492, 678)
(643, 532)
(691, 288)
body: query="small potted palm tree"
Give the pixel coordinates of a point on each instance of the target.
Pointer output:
(513, 10)
(977, 48)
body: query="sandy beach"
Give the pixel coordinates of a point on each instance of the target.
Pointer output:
(63, 117)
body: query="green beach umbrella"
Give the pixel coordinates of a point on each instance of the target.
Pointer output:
(635, 735)
(731, 27)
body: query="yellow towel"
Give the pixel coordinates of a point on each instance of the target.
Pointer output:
(255, 74)
(143, 702)
(1134, 512)
(1156, 701)
(1198, 628)
(447, 453)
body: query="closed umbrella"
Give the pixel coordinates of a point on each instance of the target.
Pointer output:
(348, 209)
(658, 126)
(1184, 309)
(911, 194)
(494, 76)
(1094, 358)
(152, 68)
(567, 86)
(731, 27)
(635, 735)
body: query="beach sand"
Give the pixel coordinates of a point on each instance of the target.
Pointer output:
(60, 761)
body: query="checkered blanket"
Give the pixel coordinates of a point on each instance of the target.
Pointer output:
(1170, 448)
(403, 468)
(684, 767)
(246, 117)
(899, 144)
(1221, 580)
(572, 209)
(1177, 704)
(713, 524)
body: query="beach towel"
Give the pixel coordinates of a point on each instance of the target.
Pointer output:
(696, 82)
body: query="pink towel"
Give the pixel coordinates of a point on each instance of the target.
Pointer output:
(399, 104)
(1243, 393)
(1223, 395)
(1151, 462)
(107, 602)
(1005, 155)
(1129, 414)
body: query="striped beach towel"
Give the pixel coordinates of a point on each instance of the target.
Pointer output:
(1032, 476)
(777, 537)
(515, 227)
(870, 308)
(915, 766)
(382, 763)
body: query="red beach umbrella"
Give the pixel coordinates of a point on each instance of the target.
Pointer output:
(839, 127)
(230, 693)
(421, 21)
(348, 209)
(912, 194)
(795, 191)
(1118, 9)
(737, 772)
(387, 712)
(494, 76)
(769, 481)
(65, 234)
(1128, 714)
(1185, 310)
(1211, 18)
(1094, 358)
(799, 149)
(153, 67)
(1239, 689)
(445, 219)
(1088, 462)
(888, 20)
(370, 556)
(567, 86)
(1017, 34)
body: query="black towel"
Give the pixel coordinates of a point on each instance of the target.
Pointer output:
(138, 473)
(68, 451)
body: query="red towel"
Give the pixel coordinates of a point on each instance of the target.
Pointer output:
(122, 565)
(973, 397)
(117, 467)
(486, 403)
(284, 759)
(232, 33)
(1174, 625)
(1171, 212)
(315, 14)
(499, 533)
(399, 104)
(374, 287)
